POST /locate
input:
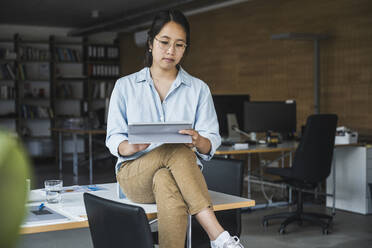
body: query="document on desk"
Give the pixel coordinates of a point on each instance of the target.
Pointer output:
(81, 188)
(75, 212)
(46, 215)
(158, 132)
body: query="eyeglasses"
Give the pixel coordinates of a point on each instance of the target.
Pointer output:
(164, 45)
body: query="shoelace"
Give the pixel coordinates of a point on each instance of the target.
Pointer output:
(233, 242)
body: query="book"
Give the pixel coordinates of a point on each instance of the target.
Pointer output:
(102, 90)
(10, 71)
(44, 71)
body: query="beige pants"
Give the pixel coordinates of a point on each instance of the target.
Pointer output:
(169, 176)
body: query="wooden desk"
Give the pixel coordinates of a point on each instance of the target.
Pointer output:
(74, 133)
(283, 147)
(73, 207)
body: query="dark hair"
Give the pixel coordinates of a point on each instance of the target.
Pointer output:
(158, 23)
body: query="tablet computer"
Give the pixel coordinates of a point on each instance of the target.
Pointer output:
(158, 132)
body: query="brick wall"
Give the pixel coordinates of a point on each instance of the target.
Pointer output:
(232, 52)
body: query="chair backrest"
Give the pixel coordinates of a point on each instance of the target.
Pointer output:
(224, 175)
(313, 157)
(114, 224)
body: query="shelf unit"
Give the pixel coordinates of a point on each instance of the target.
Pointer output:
(102, 69)
(35, 110)
(8, 86)
(68, 78)
(68, 91)
(49, 81)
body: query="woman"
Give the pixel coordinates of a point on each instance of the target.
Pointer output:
(167, 174)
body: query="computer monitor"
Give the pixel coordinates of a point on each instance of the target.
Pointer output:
(277, 117)
(229, 104)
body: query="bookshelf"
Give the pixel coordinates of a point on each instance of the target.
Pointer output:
(102, 62)
(34, 100)
(43, 83)
(8, 92)
(68, 78)
(68, 86)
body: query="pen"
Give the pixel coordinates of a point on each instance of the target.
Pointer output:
(41, 206)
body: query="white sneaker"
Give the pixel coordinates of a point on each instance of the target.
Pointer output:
(233, 242)
(224, 240)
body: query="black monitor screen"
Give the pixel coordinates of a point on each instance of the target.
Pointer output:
(270, 116)
(226, 104)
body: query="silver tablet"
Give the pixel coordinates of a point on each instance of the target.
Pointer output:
(158, 132)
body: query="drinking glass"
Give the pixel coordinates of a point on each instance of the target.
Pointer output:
(53, 190)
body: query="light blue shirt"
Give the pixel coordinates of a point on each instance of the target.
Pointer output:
(135, 99)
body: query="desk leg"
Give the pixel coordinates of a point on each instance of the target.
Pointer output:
(334, 185)
(60, 150)
(249, 176)
(290, 188)
(90, 160)
(282, 159)
(189, 227)
(75, 159)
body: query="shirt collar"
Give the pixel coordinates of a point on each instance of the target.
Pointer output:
(185, 78)
(142, 75)
(182, 77)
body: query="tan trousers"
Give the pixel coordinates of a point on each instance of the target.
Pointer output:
(169, 176)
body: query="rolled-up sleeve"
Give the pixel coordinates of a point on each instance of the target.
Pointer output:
(117, 124)
(206, 123)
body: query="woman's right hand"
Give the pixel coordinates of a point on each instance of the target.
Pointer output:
(139, 147)
(126, 149)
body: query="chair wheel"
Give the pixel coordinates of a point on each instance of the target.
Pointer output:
(282, 231)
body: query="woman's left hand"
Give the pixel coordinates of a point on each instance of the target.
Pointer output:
(195, 137)
(202, 144)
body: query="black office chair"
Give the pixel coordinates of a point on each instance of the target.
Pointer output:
(113, 224)
(311, 165)
(226, 176)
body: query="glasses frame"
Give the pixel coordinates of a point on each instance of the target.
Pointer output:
(170, 45)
